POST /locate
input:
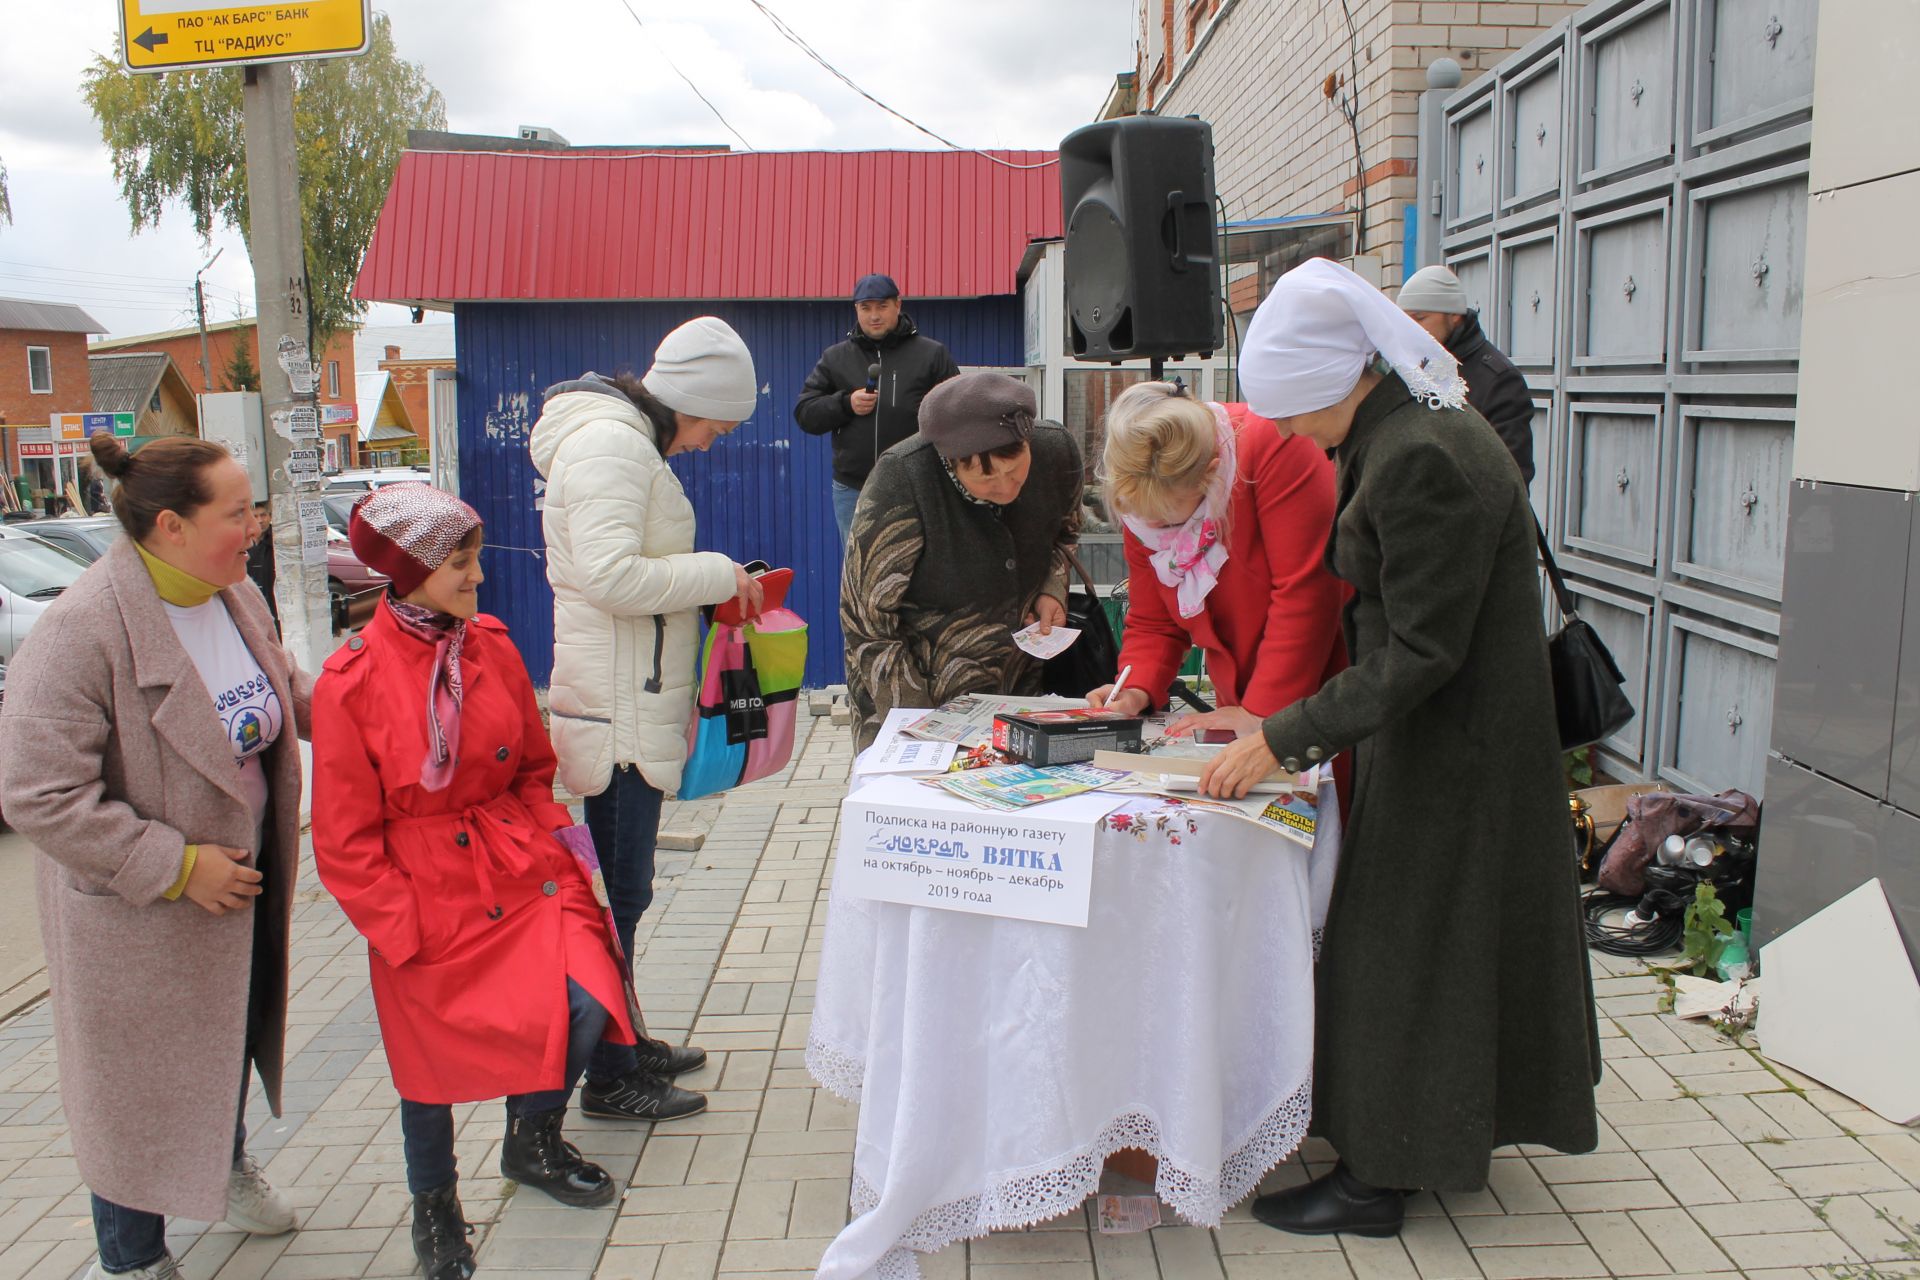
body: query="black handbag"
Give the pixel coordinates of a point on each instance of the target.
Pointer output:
(1587, 698)
(1093, 659)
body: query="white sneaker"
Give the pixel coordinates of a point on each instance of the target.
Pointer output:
(252, 1203)
(165, 1269)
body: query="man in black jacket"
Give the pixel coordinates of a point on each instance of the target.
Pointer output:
(866, 391)
(1433, 297)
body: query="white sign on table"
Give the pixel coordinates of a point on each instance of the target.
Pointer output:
(902, 841)
(910, 755)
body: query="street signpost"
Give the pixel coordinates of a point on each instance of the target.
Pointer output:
(183, 35)
(178, 35)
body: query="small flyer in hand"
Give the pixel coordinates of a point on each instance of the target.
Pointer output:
(1016, 786)
(1045, 646)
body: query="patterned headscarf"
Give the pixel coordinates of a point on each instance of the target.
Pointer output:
(407, 531)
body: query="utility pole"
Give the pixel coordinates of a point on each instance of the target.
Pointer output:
(200, 311)
(286, 365)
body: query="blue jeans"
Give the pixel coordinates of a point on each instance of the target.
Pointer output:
(426, 1128)
(625, 823)
(845, 499)
(129, 1239)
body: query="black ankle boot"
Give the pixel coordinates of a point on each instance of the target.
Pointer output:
(534, 1156)
(440, 1235)
(1338, 1202)
(663, 1059)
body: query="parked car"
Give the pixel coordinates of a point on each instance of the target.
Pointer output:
(345, 574)
(88, 537)
(366, 479)
(32, 575)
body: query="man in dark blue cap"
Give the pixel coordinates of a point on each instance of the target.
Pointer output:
(866, 390)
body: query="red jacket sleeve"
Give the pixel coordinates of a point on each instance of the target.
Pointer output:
(1293, 495)
(349, 829)
(1154, 643)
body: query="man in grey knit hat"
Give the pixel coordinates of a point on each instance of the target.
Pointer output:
(1435, 299)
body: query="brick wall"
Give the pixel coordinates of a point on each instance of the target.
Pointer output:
(185, 350)
(1258, 71)
(72, 390)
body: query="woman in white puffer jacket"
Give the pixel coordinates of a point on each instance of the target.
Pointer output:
(627, 586)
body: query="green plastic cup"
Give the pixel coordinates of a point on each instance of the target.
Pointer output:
(1743, 921)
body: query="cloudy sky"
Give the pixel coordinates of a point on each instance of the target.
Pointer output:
(986, 73)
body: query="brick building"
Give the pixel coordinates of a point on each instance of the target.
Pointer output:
(1274, 78)
(43, 371)
(335, 385)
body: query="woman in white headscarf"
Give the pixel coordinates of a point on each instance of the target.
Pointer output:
(1456, 1011)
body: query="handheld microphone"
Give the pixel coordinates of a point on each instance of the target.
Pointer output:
(873, 377)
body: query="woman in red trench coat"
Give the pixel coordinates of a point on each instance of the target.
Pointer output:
(435, 827)
(1226, 536)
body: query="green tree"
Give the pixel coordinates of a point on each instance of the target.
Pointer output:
(240, 375)
(181, 136)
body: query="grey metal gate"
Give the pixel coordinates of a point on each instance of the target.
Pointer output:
(1625, 201)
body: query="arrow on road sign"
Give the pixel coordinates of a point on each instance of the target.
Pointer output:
(148, 39)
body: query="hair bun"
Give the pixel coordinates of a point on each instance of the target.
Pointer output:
(109, 454)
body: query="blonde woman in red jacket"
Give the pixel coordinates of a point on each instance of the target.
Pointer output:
(1226, 534)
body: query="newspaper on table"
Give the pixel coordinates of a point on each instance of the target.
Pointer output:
(968, 719)
(1010, 787)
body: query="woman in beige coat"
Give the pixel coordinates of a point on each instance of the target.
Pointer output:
(149, 751)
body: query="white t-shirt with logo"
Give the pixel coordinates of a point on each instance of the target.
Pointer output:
(243, 696)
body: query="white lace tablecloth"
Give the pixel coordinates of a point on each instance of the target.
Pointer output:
(997, 1063)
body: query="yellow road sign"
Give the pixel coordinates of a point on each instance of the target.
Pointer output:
(174, 35)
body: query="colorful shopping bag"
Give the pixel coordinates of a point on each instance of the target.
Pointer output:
(749, 682)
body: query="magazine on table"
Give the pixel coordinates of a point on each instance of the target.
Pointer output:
(1288, 805)
(1009, 787)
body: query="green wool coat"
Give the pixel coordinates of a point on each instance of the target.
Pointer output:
(1455, 1007)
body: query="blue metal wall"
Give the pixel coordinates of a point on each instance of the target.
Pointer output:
(761, 493)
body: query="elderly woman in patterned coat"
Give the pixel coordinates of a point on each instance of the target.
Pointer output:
(960, 539)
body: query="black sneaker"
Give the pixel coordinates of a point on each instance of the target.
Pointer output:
(663, 1059)
(640, 1095)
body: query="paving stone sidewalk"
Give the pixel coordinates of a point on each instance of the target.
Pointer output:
(1712, 1162)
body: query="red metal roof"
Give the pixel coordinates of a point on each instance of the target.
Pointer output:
(464, 226)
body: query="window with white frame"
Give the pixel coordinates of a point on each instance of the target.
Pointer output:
(333, 379)
(40, 370)
(1156, 13)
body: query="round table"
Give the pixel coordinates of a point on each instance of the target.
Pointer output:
(997, 1063)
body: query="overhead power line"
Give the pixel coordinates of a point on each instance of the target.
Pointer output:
(683, 75)
(799, 42)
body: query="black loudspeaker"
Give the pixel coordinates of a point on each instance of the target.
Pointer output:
(1143, 267)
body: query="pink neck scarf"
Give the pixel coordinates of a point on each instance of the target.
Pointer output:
(444, 689)
(1189, 558)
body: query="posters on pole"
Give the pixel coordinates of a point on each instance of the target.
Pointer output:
(313, 531)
